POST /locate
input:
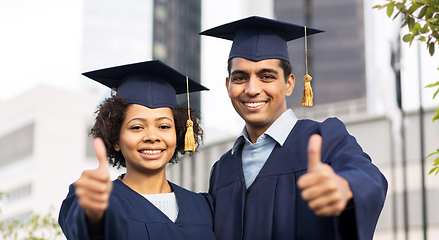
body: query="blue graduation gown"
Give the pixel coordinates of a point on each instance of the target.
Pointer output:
(272, 207)
(131, 216)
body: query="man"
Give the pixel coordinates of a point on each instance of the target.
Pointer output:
(286, 178)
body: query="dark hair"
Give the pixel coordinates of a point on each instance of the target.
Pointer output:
(286, 67)
(112, 112)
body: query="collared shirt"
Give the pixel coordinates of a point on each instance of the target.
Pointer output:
(254, 155)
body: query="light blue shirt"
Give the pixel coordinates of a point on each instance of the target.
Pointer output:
(254, 155)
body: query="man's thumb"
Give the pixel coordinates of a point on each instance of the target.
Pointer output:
(314, 151)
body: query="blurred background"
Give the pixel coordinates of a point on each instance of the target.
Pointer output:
(47, 107)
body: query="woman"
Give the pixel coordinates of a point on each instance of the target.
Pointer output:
(141, 128)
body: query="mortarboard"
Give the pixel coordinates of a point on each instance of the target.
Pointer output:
(257, 38)
(152, 84)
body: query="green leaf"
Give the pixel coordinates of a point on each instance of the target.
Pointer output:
(396, 15)
(404, 23)
(436, 117)
(379, 7)
(432, 170)
(422, 12)
(407, 38)
(433, 85)
(429, 14)
(431, 154)
(422, 39)
(415, 30)
(437, 91)
(431, 48)
(411, 23)
(425, 29)
(401, 7)
(413, 8)
(390, 9)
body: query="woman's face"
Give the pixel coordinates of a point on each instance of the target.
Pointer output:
(147, 138)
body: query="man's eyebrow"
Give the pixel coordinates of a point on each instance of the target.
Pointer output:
(267, 70)
(238, 72)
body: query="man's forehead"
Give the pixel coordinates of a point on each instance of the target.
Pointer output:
(267, 64)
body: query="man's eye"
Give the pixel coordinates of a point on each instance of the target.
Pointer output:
(238, 79)
(268, 77)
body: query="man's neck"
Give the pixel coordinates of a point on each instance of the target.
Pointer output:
(255, 132)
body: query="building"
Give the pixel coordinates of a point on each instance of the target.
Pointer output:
(336, 58)
(176, 42)
(43, 134)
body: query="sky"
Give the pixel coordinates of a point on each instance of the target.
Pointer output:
(39, 45)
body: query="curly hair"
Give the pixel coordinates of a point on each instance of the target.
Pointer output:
(112, 112)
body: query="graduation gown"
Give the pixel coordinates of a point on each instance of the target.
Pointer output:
(272, 207)
(131, 216)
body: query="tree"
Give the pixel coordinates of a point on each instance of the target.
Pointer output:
(38, 228)
(422, 19)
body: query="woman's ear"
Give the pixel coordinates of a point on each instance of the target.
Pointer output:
(116, 146)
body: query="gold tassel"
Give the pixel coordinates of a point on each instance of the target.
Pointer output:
(307, 91)
(189, 139)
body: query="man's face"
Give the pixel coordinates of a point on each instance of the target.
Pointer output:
(258, 90)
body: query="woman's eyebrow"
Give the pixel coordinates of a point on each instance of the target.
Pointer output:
(161, 118)
(144, 120)
(139, 119)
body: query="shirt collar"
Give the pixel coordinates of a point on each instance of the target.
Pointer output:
(279, 130)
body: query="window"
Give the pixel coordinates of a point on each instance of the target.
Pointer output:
(16, 145)
(18, 193)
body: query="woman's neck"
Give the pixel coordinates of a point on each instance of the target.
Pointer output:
(147, 183)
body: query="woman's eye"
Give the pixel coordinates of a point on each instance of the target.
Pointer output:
(164, 127)
(136, 127)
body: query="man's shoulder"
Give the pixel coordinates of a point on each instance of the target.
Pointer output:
(332, 122)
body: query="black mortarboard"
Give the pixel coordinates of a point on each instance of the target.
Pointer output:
(257, 38)
(152, 84)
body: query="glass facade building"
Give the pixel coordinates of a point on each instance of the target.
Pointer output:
(336, 58)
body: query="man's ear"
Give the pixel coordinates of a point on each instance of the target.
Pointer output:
(227, 84)
(291, 81)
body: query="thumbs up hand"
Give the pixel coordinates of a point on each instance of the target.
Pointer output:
(93, 188)
(326, 192)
